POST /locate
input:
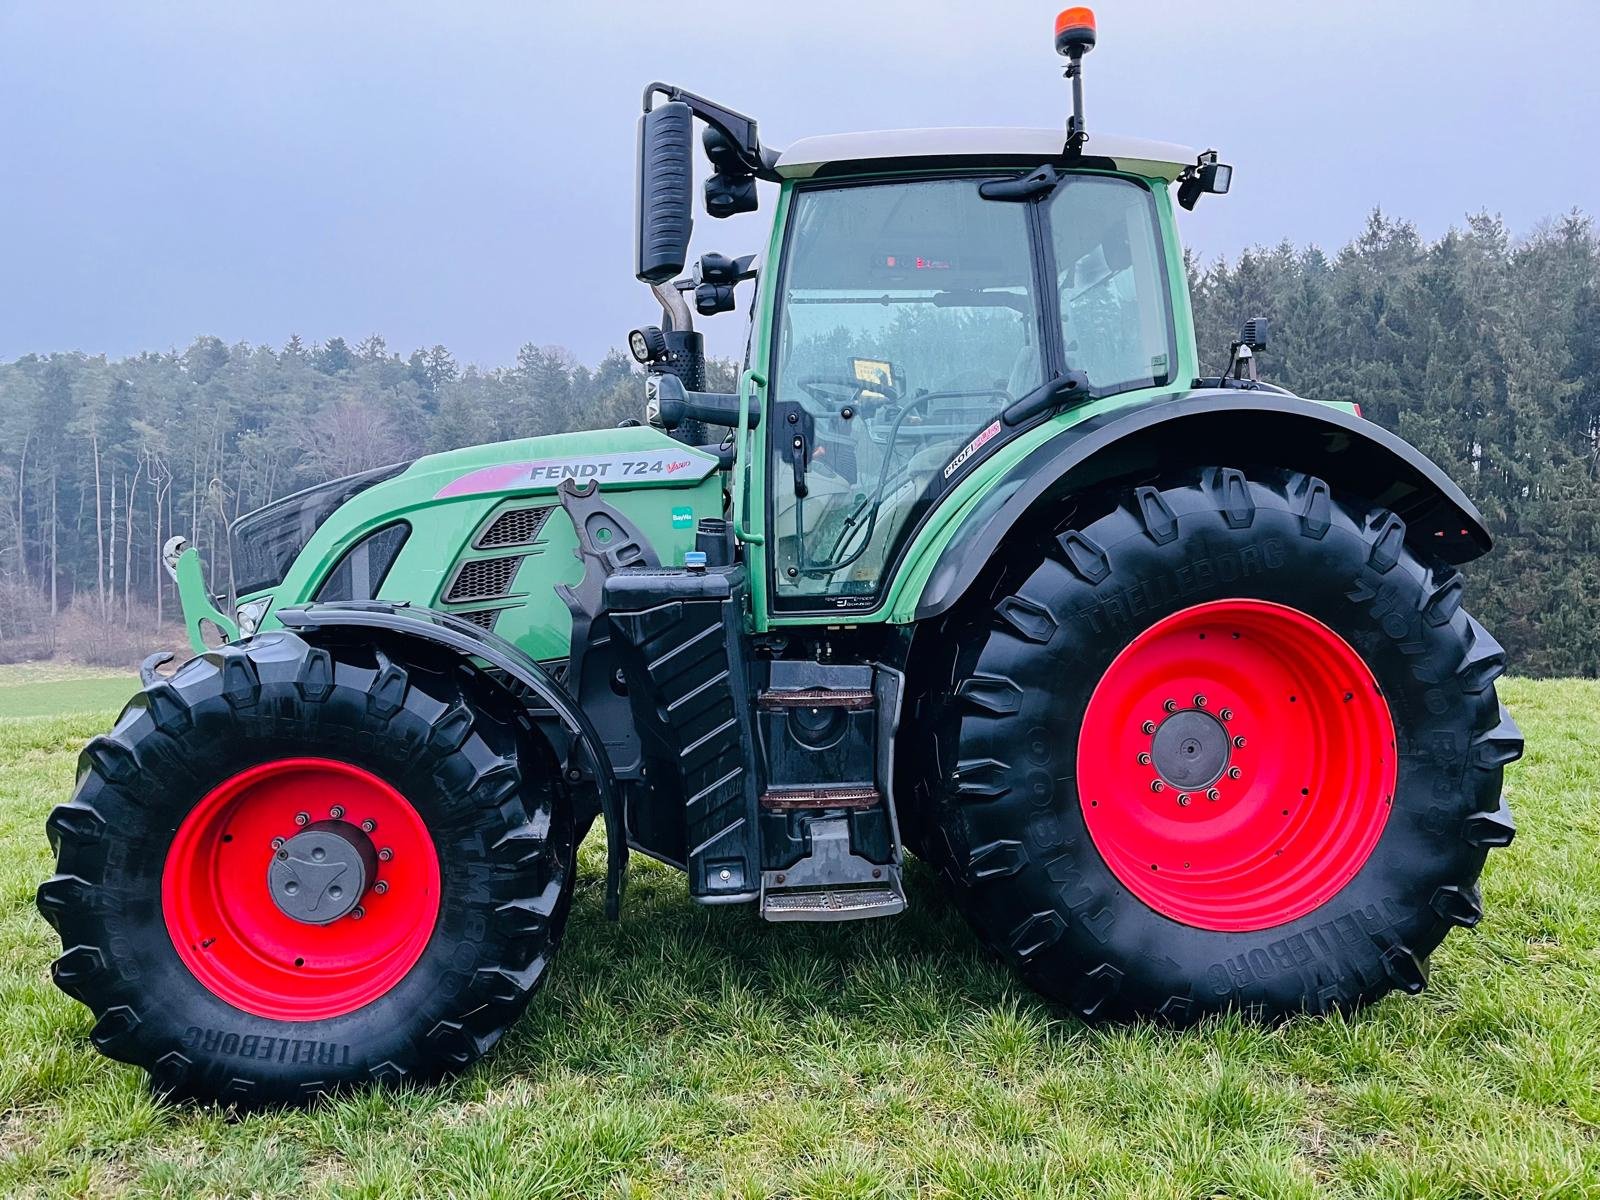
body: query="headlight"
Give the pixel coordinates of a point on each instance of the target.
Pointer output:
(249, 615)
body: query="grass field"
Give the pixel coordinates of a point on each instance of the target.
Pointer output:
(54, 689)
(696, 1051)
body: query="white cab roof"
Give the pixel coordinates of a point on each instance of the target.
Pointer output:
(1030, 147)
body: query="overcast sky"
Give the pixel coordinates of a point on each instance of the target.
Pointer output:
(462, 172)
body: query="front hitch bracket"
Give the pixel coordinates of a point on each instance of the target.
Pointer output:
(182, 562)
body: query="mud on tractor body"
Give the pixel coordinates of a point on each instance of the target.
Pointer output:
(1169, 678)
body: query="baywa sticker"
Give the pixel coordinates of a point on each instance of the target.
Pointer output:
(623, 467)
(972, 447)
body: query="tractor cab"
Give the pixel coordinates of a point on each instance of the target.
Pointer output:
(927, 310)
(928, 301)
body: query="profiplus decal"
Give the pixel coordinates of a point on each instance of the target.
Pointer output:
(972, 447)
(623, 467)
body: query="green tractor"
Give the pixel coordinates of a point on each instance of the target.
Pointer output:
(1168, 678)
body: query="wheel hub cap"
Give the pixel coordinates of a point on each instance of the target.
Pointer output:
(321, 874)
(1190, 749)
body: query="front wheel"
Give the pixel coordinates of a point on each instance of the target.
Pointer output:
(291, 868)
(1231, 745)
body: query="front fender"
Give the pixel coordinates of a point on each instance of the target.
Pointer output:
(1213, 427)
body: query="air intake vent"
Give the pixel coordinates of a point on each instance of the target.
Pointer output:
(516, 527)
(483, 618)
(483, 579)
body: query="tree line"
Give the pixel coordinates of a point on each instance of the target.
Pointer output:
(1480, 348)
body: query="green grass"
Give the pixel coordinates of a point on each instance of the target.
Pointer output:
(100, 695)
(695, 1051)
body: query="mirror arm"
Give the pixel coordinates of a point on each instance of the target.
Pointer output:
(675, 314)
(739, 129)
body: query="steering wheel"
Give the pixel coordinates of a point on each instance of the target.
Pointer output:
(832, 389)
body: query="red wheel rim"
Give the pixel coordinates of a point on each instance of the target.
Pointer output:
(1305, 781)
(232, 935)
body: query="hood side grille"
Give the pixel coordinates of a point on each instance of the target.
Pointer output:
(483, 579)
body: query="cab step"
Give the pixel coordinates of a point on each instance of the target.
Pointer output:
(787, 799)
(834, 904)
(832, 883)
(854, 698)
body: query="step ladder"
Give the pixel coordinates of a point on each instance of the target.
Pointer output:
(832, 883)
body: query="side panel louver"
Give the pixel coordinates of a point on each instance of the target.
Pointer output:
(514, 527)
(483, 579)
(484, 618)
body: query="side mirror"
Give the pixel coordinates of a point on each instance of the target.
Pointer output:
(666, 191)
(1206, 176)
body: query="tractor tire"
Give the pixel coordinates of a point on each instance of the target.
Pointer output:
(291, 868)
(1230, 745)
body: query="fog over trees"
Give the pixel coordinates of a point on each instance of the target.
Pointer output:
(1481, 348)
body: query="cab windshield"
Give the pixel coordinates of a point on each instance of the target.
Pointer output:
(911, 315)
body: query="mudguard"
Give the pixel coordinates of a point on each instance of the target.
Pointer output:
(528, 682)
(1215, 426)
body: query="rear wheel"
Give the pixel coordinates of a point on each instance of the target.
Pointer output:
(1230, 745)
(290, 868)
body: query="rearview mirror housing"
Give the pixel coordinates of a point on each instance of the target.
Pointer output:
(666, 191)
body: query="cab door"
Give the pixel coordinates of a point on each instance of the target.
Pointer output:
(907, 318)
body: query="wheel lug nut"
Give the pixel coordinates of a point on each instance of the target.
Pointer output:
(357, 913)
(283, 855)
(1239, 742)
(1157, 786)
(381, 886)
(336, 811)
(1212, 793)
(1234, 772)
(1148, 727)
(1144, 760)
(1199, 700)
(1183, 799)
(277, 843)
(385, 854)
(368, 825)
(301, 818)
(1226, 714)
(1170, 705)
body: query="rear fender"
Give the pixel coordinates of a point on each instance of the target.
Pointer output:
(508, 669)
(1213, 427)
